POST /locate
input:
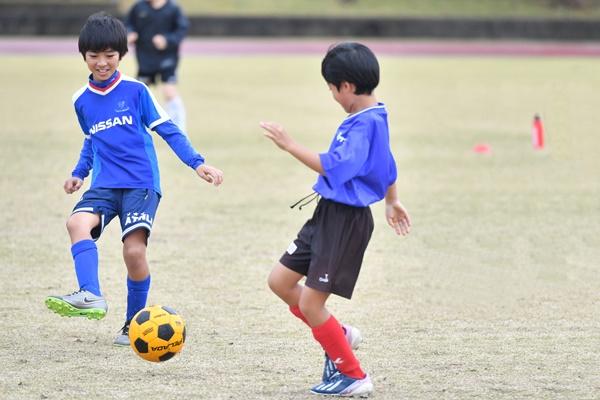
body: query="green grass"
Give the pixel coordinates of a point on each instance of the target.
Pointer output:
(387, 8)
(495, 293)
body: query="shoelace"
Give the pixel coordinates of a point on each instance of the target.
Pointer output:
(311, 197)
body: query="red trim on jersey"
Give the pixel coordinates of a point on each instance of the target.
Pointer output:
(104, 89)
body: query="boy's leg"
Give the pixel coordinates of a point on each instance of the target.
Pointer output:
(137, 216)
(88, 300)
(84, 250)
(329, 333)
(284, 283)
(138, 279)
(138, 272)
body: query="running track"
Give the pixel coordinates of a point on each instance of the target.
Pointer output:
(259, 46)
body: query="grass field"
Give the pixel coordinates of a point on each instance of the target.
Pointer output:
(494, 295)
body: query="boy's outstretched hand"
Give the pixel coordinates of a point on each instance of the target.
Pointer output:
(210, 174)
(72, 184)
(277, 134)
(397, 217)
(284, 141)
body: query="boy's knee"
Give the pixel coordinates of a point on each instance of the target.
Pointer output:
(306, 308)
(274, 283)
(70, 225)
(278, 284)
(75, 224)
(134, 251)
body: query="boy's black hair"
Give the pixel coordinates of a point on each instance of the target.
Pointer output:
(102, 31)
(353, 63)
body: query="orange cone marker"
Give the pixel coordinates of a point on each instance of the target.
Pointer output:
(537, 133)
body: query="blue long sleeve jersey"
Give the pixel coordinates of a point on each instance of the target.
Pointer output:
(359, 165)
(116, 117)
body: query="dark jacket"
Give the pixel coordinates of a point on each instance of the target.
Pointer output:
(168, 21)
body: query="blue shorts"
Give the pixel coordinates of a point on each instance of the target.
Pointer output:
(136, 208)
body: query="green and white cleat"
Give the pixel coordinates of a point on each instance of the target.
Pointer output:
(78, 304)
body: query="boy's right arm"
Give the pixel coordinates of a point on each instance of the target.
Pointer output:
(284, 141)
(86, 157)
(82, 169)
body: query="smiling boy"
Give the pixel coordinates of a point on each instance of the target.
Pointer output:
(116, 114)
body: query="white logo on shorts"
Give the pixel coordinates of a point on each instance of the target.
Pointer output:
(325, 280)
(292, 248)
(136, 217)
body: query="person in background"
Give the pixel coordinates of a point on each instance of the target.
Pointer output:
(157, 28)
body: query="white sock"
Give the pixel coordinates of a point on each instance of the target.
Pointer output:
(176, 111)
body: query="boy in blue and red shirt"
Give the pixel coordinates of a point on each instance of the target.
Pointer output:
(117, 115)
(357, 170)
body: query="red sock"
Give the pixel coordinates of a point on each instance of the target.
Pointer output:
(296, 311)
(331, 337)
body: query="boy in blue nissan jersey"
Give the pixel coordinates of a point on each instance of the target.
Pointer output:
(356, 171)
(116, 114)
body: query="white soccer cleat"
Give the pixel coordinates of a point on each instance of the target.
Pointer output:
(344, 386)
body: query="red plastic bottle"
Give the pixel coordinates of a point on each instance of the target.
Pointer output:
(537, 133)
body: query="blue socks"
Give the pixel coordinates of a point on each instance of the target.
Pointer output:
(85, 256)
(137, 294)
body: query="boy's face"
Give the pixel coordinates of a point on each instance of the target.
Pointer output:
(344, 95)
(102, 64)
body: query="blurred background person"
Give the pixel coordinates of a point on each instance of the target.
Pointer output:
(157, 28)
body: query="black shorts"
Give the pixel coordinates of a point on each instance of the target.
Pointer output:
(165, 70)
(330, 247)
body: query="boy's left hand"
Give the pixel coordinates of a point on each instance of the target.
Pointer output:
(210, 174)
(397, 217)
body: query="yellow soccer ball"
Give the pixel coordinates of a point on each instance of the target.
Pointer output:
(157, 333)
